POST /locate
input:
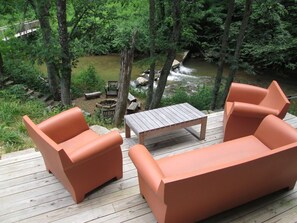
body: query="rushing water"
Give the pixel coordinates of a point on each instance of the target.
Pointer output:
(192, 73)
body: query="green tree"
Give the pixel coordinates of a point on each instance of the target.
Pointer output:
(171, 52)
(152, 27)
(127, 56)
(271, 38)
(1, 66)
(125, 40)
(223, 51)
(65, 67)
(235, 60)
(42, 10)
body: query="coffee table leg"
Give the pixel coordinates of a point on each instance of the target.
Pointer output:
(203, 128)
(141, 139)
(127, 131)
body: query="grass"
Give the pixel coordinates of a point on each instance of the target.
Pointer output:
(14, 105)
(13, 135)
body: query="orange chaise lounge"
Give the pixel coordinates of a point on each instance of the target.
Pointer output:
(195, 185)
(247, 105)
(81, 159)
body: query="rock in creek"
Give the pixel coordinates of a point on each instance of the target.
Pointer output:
(141, 81)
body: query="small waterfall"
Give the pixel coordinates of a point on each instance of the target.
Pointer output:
(180, 73)
(185, 70)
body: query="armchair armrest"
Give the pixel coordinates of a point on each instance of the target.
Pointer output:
(246, 93)
(65, 125)
(272, 126)
(101, 145)
(146, 166)
(251, 110)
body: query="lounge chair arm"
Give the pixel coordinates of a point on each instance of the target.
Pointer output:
(146, 166)
(246, 93)
(275, 133)
(101, 145)
(251, 110)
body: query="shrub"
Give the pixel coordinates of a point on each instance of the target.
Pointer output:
(138, 92)
(293, 107)
(23, 72)
(16, 91)
(87, 81)
(200, 99)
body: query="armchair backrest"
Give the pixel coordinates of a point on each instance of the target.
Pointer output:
(112, 85)
(276, 99)
(73, 119)
(48, 148)
(246, 93)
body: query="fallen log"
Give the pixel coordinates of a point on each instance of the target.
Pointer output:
(92, 95)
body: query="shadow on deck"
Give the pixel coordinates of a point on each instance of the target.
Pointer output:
(28, 193)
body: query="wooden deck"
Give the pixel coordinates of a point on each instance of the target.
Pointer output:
(30, 194)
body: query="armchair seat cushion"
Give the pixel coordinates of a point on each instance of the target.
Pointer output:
(79, 141)
(212, 157)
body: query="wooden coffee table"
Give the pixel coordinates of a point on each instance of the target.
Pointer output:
(156, 121)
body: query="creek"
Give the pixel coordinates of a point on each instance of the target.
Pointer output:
(192, 73)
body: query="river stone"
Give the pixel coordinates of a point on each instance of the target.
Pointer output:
(141, 81)
(175, 64)
(99, 129)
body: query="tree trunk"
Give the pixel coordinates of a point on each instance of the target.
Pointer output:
(124, 83)
(171, 52)
(150, 90)
(163, 78)
(1, 68)
(65, 69)
(234, 65)
(223, 50)
(42, 8)
(161, 11)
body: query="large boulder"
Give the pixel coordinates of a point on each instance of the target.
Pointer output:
(141, 81)
(175, 64)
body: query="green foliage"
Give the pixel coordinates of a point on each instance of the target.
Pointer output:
(14, 11)
(270, 41)
(13, 135)
(23, 72)
(87, 81)
(16, 91)
(138, 92)
(293, 107)
(180, 96)
(99, 119)
(200, 99)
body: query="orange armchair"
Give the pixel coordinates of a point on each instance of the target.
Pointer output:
(80, 159)
(247, 105)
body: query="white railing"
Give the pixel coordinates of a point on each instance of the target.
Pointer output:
(20, 29)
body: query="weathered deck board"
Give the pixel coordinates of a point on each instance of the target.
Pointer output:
(28, 193)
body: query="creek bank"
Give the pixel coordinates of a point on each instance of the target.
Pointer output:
(180, 77)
